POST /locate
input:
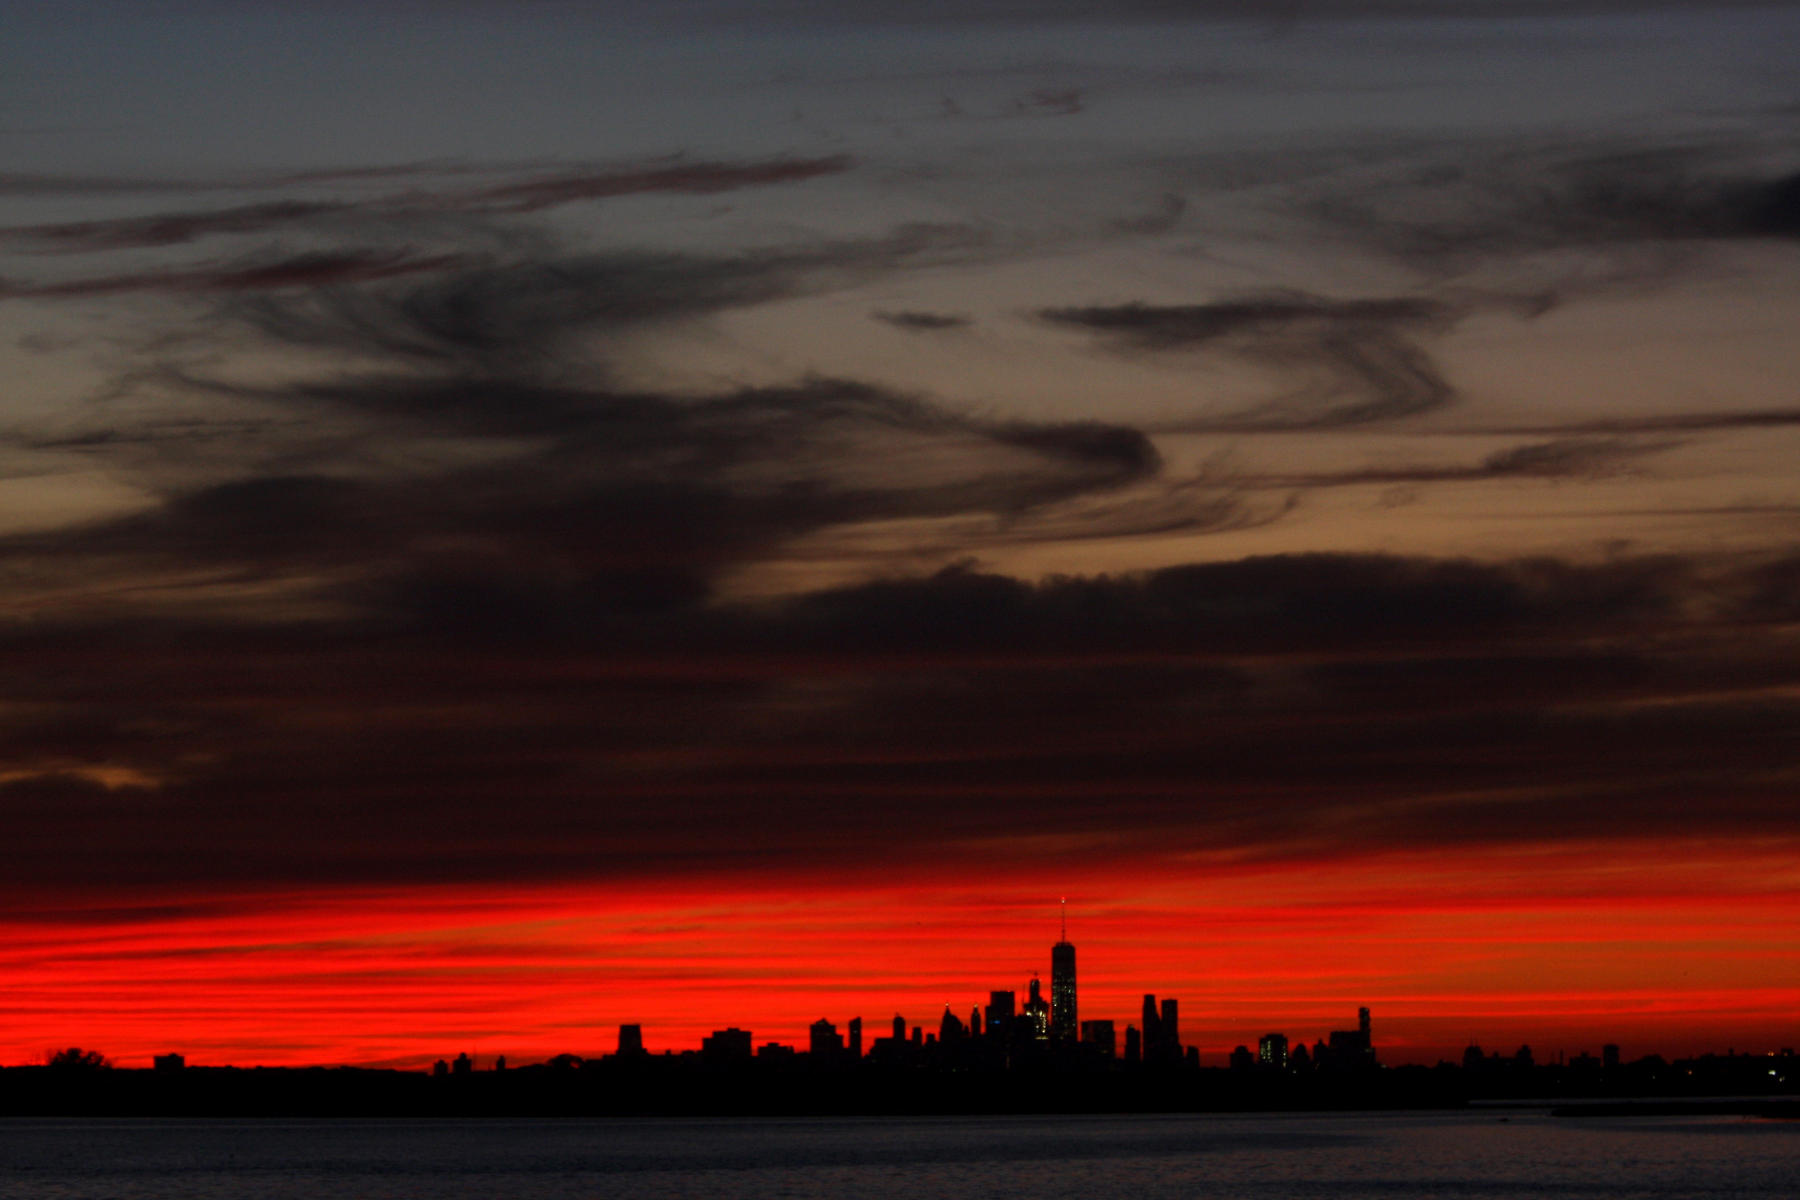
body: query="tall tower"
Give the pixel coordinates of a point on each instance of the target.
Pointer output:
(1065, 1029)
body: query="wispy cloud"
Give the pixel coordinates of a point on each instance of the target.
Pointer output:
(168, 229)
(602, 499)
(522, 190)
(501, 313)
(1670, 423)
(1562, 458)
(1372, 368)
(925, 322)
(696, 178)
(315, 270)
(1457, 212)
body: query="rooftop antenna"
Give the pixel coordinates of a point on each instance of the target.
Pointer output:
(1065, 918)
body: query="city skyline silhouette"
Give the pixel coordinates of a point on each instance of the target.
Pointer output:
(523, 518)
(1009, 1035)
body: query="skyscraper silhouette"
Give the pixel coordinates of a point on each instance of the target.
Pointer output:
(1000, 1014)
(1064, 1027)
(1037, 1014)
(1162, 1030)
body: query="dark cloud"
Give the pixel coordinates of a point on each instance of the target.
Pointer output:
(1175, 326)
(1669, 423)
(534, 192)
(925, 322)
(1649, 197)
(620, 501)
(1293, 603)
(16, 183)
(1289, 706)
(1051, 102)
(1369, 367)
(500, 315)
(523, 665)
(450, 604)
(570, 500)
(516, 311)
(1040, 102)
(1563, 458)
(694, 178)
(168, 229)
(324, 269)
(20, 183)
(1166, 217)
(1489, 208)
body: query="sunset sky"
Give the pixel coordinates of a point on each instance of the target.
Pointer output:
(517, 517)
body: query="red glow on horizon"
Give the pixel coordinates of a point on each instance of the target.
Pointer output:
(1563, 947)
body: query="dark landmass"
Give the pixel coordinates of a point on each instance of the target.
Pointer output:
(692, 1085)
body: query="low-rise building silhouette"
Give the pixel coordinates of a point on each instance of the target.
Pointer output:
(1348, 1049)
(726, 1046)
(824, 1041)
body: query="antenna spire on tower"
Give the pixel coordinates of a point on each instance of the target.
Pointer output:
(1065, 918)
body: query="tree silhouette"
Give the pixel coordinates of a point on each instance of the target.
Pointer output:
(77, 1059)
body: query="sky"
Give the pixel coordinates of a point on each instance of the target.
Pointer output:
(518, 518)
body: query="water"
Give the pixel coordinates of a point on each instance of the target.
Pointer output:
(1489, 1155)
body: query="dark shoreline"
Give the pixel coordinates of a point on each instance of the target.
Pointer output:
(676, 1087)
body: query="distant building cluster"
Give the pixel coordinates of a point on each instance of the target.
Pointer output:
(1341, 1049)
(1001, 1034)
(1005, 1034)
